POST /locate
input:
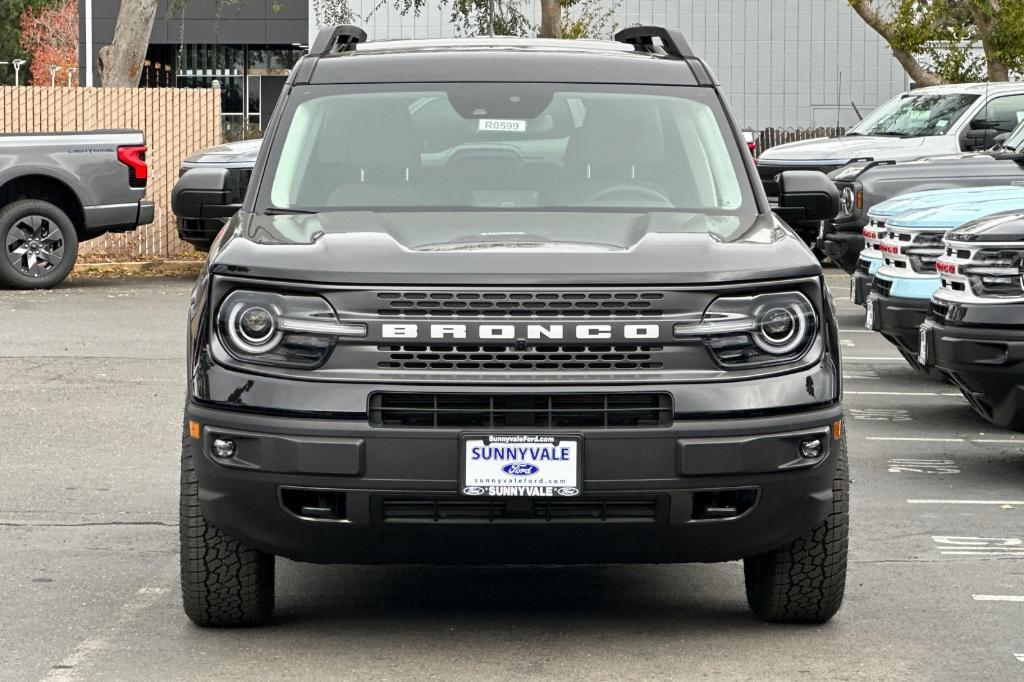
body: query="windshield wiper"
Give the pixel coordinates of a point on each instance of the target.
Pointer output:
(273, 210)
(893, 133)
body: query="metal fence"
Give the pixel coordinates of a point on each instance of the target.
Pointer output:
(176, 122)
(771, 137)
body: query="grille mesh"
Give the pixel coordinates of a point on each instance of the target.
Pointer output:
(469, 410)
(439, 510)
(520, 304)
(548, 358)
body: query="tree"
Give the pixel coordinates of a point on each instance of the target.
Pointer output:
(10, 39)
(935, 40)
(50, 35)
(121, 61)
(557, 17)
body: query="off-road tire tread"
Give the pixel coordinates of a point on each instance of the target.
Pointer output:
(223, 582)
(10, 277)
(804, 582)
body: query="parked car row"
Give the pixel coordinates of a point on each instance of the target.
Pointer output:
(942, 279)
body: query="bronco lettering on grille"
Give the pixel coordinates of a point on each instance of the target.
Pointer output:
(513, 331)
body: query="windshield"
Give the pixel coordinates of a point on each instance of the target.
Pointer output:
(915, 115)
(507, 147)
(1015, 141)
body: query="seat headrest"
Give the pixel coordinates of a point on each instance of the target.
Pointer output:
(383, 140)
(616, 135)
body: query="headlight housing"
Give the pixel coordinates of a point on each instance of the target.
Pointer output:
(281, 330)
(755, 331)
(996, 273)
(847, 202)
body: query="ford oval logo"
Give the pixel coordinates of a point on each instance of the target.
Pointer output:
(473, 490)
(520, 469)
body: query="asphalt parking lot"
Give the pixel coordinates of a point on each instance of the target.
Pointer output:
(92, 379)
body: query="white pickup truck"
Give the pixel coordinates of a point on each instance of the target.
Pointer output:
(933, 121)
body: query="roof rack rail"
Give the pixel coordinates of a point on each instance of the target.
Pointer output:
(337, 39)
(642, 38)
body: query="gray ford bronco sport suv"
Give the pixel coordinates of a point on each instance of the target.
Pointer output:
(507, 301)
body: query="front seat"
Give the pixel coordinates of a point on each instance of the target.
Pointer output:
(384, 161)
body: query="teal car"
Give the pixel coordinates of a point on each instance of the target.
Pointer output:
(871, 258)
(904, 284)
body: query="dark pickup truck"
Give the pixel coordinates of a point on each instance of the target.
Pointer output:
(200, 225)
(864, 184)
(60, 189)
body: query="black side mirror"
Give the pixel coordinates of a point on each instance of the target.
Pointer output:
(205, 193)
(982, 138)
(807, 195)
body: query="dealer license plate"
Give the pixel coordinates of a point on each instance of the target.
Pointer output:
(925, 342)
(521, 465)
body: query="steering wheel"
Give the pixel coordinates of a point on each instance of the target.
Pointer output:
(637, 191)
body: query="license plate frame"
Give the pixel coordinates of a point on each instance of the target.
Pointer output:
(924, 351)
(871, 314)
(499, 483)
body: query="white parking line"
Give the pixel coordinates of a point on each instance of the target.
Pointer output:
(999, 597)
(900, 393)
(1019, 657)
(999, 440)
(982, 502)
(918, 440)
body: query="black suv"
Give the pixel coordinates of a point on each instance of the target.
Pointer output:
(511, 301)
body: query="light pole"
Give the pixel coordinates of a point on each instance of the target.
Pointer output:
(53, 74)
(71, 72)
(17, 64)
(490, 17)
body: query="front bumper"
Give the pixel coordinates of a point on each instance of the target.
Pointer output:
(898, 318)
(645, 492)
(986, 363)
(843, 244)
(862, 279)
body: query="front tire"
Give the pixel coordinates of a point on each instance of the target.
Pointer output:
(39, 243)
(804, 581)
(223, 582)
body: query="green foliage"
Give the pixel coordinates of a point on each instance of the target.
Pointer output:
(580, 18)
(10, 39)
(944, 35)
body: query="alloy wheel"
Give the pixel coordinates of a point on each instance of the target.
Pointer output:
(35, 245)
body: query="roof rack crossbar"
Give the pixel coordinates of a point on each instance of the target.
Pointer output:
(337, 39)
(642, 38)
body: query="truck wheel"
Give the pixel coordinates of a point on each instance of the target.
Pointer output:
(223, 582)
(40, 244)
(804, 581)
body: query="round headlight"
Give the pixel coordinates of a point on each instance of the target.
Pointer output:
(846, 200)
(253, 328)
(781, 329)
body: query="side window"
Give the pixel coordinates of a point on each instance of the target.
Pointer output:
(1002, 114)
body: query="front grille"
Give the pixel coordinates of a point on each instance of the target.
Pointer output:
(497, 357)
(467, 410)
(440, 510)
(520, 304)
(238, 184)
(883, 285)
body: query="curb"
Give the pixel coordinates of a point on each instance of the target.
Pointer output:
(170, 267)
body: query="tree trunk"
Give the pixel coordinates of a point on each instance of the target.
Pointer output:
(121, 61)
(918, 73)
(550, 19)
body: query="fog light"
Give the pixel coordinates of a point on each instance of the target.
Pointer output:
(224, 448)
(811, 449)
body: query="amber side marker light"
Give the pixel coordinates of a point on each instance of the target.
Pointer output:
(194, 429)
(837, 429)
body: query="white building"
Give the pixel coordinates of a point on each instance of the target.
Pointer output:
(783, 63)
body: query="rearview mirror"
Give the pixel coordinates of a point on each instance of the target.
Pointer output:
(205, 193)
(807, 195)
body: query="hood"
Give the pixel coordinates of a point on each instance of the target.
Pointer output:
(846, 148)
(936, 198)
(1007, 227)
(233, 152)
(954, 215)
(596, 248)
